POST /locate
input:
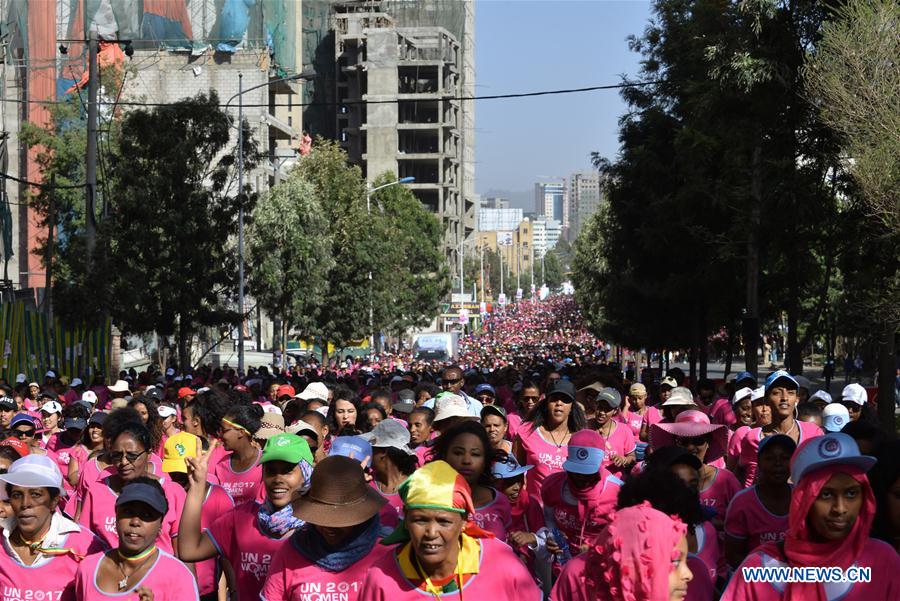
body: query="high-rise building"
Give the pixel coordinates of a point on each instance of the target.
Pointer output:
(401, 71)
(551, 201)
(495, 202)
(547, 233)
(584, 199)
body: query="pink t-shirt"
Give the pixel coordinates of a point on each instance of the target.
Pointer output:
(621, 442)
(423, 454)
(722, 413)
(702, 586)
(237, 537)
(733, 453)
(750, 447)
(707, 548)
(514, 421)
(501, 576)
(720, 492)
(633, 421)
(495, 516)
(392, 512)
(564, 513)
(52, 580)
(63, 454)
(546, 457)
(240, 485)
(748, 519)
(168, 578)
(571, 584)
(98, 512)
(217, 503)
(292, 577)
(877, 555)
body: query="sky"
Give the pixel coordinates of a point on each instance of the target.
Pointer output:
(532, 45)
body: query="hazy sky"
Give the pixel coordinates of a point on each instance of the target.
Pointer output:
(530, 45)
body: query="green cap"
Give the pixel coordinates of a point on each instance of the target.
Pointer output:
(287, 447)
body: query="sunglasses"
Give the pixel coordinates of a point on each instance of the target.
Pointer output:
(23, 433)
(119, 455)
(531, 398)
(455, 381)
(697, 441)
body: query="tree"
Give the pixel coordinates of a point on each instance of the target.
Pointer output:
(289, 251)
(853, 76)
(553, 270)
(171, 260)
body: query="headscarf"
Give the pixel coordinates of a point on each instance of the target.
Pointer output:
(436, 485)
(633, 556)
(799, 548)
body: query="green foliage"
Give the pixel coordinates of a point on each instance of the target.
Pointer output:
(554, 275)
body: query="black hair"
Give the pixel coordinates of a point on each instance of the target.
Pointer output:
(431, 389)
(427, 412)
(151, 482)
(115, 420)
(136, 430)
(362, 419)
(405, 462)
(247, 416)
(442, 446)
(380, 393)
(293, 409)
(315, 416)
(706, 384)
(154, 424)
(866, 430)
(8, 452)
(882, 478)
(341, 393)
(666, 492)
(808, 410)
(538, 417)
(75, 410)
(209, 407)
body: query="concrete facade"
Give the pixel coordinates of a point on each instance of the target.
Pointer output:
(516, 247)
(399, 110)
(584, 199)
(498, 220)
(551, 201)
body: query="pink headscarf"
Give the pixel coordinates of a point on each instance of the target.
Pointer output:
(802, 551)
(633, 556)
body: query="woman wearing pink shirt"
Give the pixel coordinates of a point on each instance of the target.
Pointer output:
(468, 450)
(392, 463)
(543, 438)
(742, 408)
(250, 534)
(782, 395)
(693, 431)
(758, 514)
(41, 547)
(832, 508)
(137, 566)
(240, 473)
(619, 452)
(129, 454)
(528, 398)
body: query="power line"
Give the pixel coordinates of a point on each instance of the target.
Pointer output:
(41, 184)
(364, 102)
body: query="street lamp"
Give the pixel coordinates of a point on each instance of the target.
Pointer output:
(369, 193)
(240, 145)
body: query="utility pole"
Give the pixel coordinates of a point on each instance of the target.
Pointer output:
(240, 143)
(90, 200)
(462, 249)
(481, 271)
(500, 254)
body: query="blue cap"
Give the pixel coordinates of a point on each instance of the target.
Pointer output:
(745, 375)
(508, 467)
(777, 439)
(353, 447)
(834, 448)
(834, 417)
(485, 388)
(141, 492)
(780, 375)
(22, 418)
(75, 423)
(585, 453)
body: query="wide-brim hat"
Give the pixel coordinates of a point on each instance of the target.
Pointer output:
(689, 424)
(338, 495)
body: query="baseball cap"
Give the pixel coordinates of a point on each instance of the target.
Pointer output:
(758, 393)
(50, 374)
(781, 377)
(153, 392)
(8, 404)
(745, 376)
(22, 418)
(834, 417)
(89, 396)
(354, 447)
(314, 390)
(680, 396)
(20, 379)
(834, 448)
(636, 389)
(177, 447)
(822, 396)
(782, 440)
(741, 394)
(75, 423)
(19, 445)
(406, 401)
(141, 492)
(184, 391)
(270, 424)
(389, 433)
(76, 382)
(165, 411)
(508, 467)
(562, 388)
(51, 407)
(285, 390)
(33, 471)
(495, 410)
(611, 396)
(301, 427)
(668, 381)
(450, 405)
(855, 393)
(585, 453)
(485, 388)
(98, 418)
(287, 447)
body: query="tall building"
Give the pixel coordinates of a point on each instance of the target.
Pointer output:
(584, 199)
(517, 249)
(401, 69)
(547, 233)
(551, 200)
(495, 202)
(499, 220)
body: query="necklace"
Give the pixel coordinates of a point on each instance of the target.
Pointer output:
(553, 438)
(139, 560)
(788, 433)
(431, 588)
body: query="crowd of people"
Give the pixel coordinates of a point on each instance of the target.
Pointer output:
(530, 470)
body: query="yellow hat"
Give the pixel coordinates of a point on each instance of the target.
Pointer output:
(176, 449)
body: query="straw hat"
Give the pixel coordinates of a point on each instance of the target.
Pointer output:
(689, 424)
(338, 495)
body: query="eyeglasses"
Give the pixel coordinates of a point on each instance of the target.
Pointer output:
(23, 433)
(117, 456)
(531, 398)
(696, 441)
(454, 381)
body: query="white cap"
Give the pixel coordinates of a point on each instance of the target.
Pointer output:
(450, 405)
(301, 426)
(166, 411)
(315, 390)
(203, 389)
(680, 396)
(323, 410)
(51, 407)
(119, 386)
(177, 379)
(855, 394)
(50, 374)
(834, 417)
(76, 382)
(170, 371)
(272, 409)
(33, 471)
(758, 393)
(821, 394)
(20, 379)
(90, 396)
(741, 394)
